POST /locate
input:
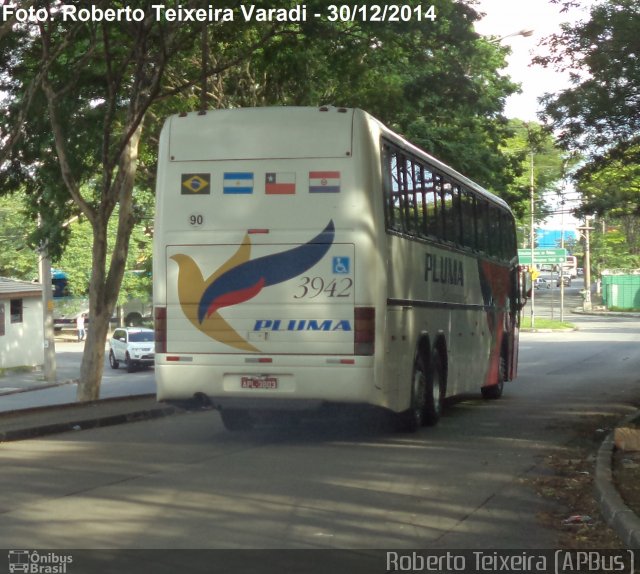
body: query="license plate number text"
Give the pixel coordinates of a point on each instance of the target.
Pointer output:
(259, 383)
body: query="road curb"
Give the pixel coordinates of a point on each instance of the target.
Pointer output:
(627, 314)
(36, 387)
(536, 330)
(42, 421)
(614, 510)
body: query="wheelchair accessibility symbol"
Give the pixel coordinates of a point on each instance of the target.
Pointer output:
(341, 265)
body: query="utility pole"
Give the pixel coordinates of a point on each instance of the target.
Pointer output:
(532, 239)
(561, 273)
(47, 317)
(587, 265)
(562, 203)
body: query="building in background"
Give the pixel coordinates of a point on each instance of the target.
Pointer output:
(21, 324)
(550, 238)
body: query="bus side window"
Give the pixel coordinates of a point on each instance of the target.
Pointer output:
(431, 204)
(390, 189)
(398, 204)
(506, 229)
(468, 219)
(412, 225)
(513, 247)
(404, 198)
(452, 212)
(440, 203)
(497, 232)
(421, 198)
(457, 223)
(482, 213)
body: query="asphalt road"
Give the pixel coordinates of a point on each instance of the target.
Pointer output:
(548, 303)
(184, 482)
(115, 383)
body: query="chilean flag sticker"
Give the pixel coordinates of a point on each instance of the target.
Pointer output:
(280, 183)
(324, 182)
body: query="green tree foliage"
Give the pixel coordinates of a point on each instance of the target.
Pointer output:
(85, 102)
(599, 116)
(610, 247)
(76, 261)
(610, 190)
(17, 257)
(601, 110)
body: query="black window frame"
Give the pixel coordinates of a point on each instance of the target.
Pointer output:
(423, 202)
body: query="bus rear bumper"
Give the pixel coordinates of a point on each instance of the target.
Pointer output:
(279, 387)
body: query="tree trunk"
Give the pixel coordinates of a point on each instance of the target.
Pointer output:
(92, 366)
(104, 286)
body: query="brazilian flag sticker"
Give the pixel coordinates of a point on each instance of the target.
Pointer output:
(195, 184)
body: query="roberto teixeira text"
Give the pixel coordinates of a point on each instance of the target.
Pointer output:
(533, 562)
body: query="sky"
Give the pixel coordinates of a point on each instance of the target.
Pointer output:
(506, 17)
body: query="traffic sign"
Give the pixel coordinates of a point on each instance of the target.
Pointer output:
(542, 256)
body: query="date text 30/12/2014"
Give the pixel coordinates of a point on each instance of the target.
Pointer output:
(391, 13)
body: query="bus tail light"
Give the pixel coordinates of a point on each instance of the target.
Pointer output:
(160, 325)
(365, 331)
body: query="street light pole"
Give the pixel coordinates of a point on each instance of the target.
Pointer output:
(587, 265)
(532, 237)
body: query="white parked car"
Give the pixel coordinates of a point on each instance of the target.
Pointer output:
(133, 346)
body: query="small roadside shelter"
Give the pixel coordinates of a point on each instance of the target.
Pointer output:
(621, 289)
(21, 324)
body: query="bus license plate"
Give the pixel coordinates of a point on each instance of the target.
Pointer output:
(259, 383)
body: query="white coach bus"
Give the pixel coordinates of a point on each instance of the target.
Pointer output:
(311, 256)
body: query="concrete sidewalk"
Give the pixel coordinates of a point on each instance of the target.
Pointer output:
(68, 357)
(41, 421)
(617, 514)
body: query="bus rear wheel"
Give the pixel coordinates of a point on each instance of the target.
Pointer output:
(495, 391)
(436, 391)
(413, 418)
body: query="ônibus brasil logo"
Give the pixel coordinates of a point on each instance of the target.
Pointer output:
(34, 562)
(240, 279)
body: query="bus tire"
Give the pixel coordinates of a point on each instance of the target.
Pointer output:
(436, 391)
(236, 420)
(412, 419)
(495, 391)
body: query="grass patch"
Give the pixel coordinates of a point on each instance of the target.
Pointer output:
(542, 323)
(20, 369)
